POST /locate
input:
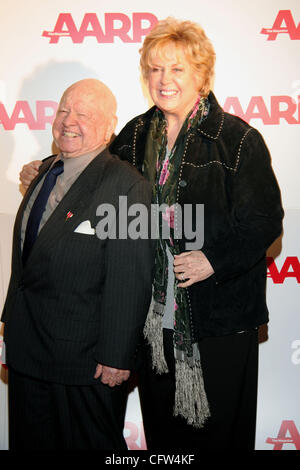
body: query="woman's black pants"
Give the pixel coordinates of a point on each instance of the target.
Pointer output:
(230, 369)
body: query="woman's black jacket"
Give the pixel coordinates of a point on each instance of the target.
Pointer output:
(226, 167)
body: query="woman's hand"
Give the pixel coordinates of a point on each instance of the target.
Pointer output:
(191, 267)
(29, 172)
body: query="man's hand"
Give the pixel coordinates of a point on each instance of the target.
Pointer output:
(111, 376)
(191, 267)
(29, 172)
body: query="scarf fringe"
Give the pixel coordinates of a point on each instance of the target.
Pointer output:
(190, 397)
(154, 336)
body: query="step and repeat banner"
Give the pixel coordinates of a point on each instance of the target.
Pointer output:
(46, 46)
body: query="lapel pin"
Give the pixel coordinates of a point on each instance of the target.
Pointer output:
(69, 215)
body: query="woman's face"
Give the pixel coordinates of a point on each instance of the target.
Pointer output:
(173, 84)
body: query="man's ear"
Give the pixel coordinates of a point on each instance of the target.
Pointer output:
(111, 128)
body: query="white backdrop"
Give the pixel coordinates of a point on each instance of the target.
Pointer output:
(48, 45)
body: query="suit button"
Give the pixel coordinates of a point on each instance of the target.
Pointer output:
(182, 183)
(21, 285)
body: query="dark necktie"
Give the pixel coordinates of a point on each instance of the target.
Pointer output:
(38, 208)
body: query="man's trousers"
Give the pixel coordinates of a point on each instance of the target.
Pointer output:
(48, 416)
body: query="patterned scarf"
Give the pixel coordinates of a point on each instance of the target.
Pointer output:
(162, 170)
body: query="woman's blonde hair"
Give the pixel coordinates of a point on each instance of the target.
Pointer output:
(191, 37)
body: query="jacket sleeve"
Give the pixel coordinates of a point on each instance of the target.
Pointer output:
(127, 290)
(256, 213)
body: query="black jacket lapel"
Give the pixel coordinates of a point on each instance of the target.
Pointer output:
(68, 214)
(17, 253)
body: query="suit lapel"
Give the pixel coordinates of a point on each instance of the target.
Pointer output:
(19, 217)
(68, 214)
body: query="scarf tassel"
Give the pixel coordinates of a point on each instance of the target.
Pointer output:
(153, 334)
(190, 396)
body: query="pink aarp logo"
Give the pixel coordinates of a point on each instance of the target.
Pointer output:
(272, 112)
(44, 113)
(289, 269)
(287, 434)
(134, 436)
(284, 24)
(114, 25)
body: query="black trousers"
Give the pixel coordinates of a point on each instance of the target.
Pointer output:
(230, 367)
(47, 416)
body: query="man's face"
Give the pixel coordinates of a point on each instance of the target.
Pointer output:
(81, 125)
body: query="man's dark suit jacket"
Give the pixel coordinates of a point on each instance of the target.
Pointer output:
(79, 300)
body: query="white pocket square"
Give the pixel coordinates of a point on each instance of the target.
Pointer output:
(85, 227)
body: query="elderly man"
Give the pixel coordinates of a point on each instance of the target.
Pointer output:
(77, 298)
